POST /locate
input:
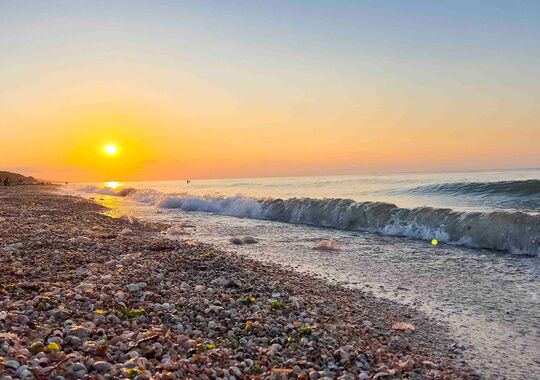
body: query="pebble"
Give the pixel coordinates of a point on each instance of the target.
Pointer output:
(236, 371)
(102, 366)
(135, 287)
(126, 232)
(12, 364)
(146, 304)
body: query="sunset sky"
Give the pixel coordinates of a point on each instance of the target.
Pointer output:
(217, 89)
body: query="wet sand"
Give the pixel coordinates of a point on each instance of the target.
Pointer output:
(83, 294)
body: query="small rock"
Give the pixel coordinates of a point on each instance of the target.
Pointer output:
(249, 240)
(176, 230)
(37, 347)
(236, 240)
(80, 239)
(13, 364)
(135, 287)
(327, 245)
(126, 232)
(236, 372)
(275, 347)
(220, 281)
(78, 331)
(273, 332)
(403, 326)
(102, 366)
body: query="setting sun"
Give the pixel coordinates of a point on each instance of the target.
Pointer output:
(110, 150)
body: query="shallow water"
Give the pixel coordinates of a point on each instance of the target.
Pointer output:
(491, 300)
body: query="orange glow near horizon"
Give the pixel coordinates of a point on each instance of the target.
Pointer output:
(324, 101)
(142, 143)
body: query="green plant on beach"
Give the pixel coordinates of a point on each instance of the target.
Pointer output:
(248, 301)
(130, 313)
(36, 347)
(277, 305)
(208, 254)
(132, 372)
(302, 331)
(256, 369)
(202, 347)
(307, 329)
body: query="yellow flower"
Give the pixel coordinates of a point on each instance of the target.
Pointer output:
(210, 346)
(248, 325)
(100, 311)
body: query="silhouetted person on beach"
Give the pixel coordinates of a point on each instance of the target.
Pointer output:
(7, 182)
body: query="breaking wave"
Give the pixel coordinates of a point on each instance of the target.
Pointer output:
(524, 188)
(514, 232)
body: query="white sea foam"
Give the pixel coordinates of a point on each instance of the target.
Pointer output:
(513, 232)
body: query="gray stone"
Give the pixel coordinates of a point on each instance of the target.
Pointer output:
(78, 331)
(102, 366)
(13, 364)
(236, 371)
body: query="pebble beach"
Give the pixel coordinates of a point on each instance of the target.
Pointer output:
(87, 296)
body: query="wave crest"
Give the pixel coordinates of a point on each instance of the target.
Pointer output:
(524, 188)
(514, 232)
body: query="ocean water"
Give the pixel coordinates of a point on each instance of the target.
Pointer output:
(482, 278)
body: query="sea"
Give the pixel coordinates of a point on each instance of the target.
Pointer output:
(463, 247)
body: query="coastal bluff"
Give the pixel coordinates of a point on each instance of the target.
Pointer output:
(18, 179)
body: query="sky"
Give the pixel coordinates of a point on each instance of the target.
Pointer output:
(227, 89)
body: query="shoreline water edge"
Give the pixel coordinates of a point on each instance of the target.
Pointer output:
(86, 295)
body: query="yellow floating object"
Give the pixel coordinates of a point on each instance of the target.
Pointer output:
(434, 242)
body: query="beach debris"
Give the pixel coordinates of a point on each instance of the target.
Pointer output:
(249, 240)
(80, 240)
(240, 240)
(126, 232)
(176, 230)
(327, 245)
(282, 373)
(236, 240)
(403, 326)
(130, 219)
(434, 242)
